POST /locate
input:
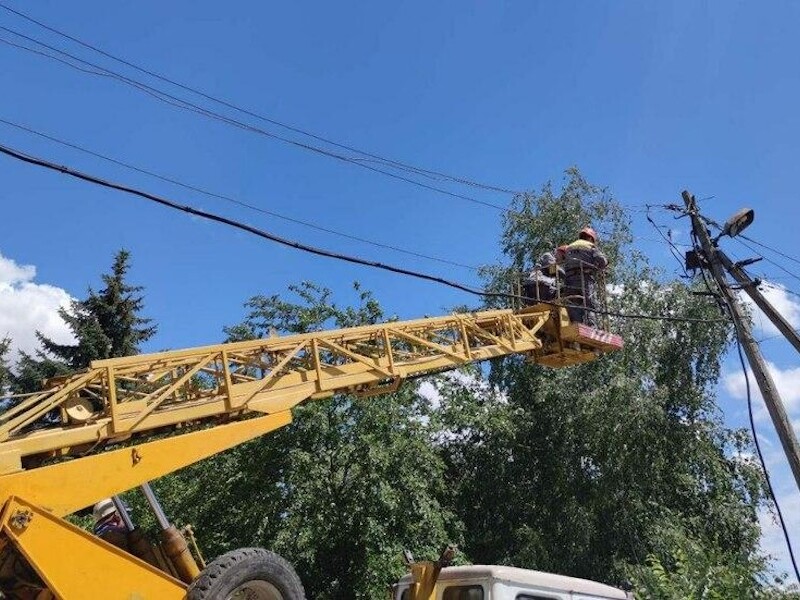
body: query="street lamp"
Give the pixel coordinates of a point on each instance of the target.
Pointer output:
(738, 222)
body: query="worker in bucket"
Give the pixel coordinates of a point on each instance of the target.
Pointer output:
(108, 524)
(583, 260)
(544, 282)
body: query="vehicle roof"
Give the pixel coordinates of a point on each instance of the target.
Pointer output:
(527, 577)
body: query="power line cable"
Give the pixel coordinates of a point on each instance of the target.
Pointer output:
(164, 97)
(184, 104)
(727, 309)
(195, 188)
(232, 200)
(769, 260)
(770, 248)
(378, 158)
(172, 100)
(673, 249)
(739, 239)
(305, 247)
(761, 456)
(98, 70)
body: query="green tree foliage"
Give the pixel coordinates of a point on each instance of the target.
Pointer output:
(539, 222)
(619, 468)
(694, 571)
(5, 372)
(582, 470)
(31, 371)
(106, 324)
(340, 492)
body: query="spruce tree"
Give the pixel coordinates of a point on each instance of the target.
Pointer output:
(5, 373)
(106, 324)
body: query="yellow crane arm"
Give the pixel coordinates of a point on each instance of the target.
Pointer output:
(126, 421)
(143, 395)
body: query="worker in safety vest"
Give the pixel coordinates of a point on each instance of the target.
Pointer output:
(582, 261)
(544, 282)
(108, 524)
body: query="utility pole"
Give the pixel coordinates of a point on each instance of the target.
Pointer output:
(713, 260)
(750, 288)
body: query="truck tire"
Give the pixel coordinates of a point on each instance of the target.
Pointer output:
(247, 574)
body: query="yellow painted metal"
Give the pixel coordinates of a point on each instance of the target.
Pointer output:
(148, 392)
(76, 565)
(425, 574)
(201, 401)
(65, 487)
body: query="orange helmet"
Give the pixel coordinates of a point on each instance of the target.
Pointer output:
(587, 233)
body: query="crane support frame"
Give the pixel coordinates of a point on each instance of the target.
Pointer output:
(121, 397)
(76, 564)
(126, 421)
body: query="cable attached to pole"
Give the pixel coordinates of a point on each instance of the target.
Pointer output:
(761, 457)
(312, 249)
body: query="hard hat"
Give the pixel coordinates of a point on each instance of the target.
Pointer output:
(546, 260)
(588, 233)
(103, 509)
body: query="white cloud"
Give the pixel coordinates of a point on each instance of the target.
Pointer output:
(12, 273)
(786, 380)
(787, 305)
(429, 388)
(773, 543)
(26, 306)
(428, 391)
(788, 383)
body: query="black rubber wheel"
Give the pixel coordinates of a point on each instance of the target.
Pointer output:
(247, 574)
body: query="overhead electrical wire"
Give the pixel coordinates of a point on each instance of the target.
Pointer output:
(673, 249)
(770, 248)
(769, 260)
(27, 158)
(739, 333)
(739, 239)
(376, 157)
(761, 456)
(183, 104)
(172, 100)
(174, 181)
(232, 200)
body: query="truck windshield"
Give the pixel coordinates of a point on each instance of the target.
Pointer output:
(463, 592)
(460, 592)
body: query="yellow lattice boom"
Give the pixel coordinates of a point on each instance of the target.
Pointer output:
(126, 421)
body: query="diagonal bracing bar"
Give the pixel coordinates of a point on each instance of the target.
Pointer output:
(148, 393)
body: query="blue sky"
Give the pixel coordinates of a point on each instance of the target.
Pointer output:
(646, 98)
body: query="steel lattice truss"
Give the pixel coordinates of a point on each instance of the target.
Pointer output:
(119, 397)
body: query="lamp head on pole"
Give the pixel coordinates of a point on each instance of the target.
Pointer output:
(738, 222)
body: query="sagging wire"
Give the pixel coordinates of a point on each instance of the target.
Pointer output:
(232, 200)
(307, 248)
(738, 334)
(667, 238)
(93, 68)
(431, 174)
(761, 456)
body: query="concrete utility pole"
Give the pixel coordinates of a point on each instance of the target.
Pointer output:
(714, 260)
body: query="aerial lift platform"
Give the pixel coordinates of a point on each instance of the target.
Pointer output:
(126, 421)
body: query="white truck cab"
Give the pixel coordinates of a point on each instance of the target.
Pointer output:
(489, 582)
